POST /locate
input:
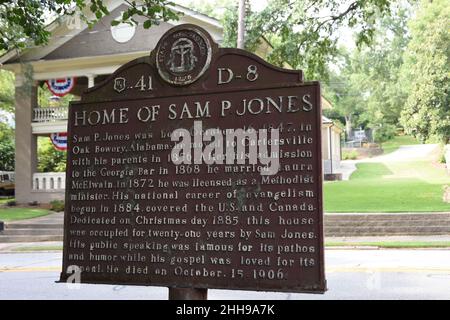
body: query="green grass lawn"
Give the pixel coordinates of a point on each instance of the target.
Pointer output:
(38, 248)
(11, 214)
(367, 171)
(389, 187)
(396, 142)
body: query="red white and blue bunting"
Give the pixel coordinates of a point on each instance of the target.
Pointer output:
(61, 87)
(59, 140)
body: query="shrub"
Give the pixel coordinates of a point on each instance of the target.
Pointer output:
(385, 133)
(349, 155)
(57, 205)
(11, 203)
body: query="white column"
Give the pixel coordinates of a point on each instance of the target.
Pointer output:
(26, 142)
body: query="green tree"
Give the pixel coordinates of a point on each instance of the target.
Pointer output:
(7, 152)
(6, 91)
(305, 34)
(227, 12)
(212, 8)
(370, 75)
(6, 132)
(426, 73)
(379, 65)
(50, 159)
(7, 148)
(344, 92)
(44, 96)
(27, 19)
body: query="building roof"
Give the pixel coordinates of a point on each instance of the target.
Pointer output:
(74, 36)
(326, 120)
(75, 50)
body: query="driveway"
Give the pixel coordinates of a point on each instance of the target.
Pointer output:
(404, 153)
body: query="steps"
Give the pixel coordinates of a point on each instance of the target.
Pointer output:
(32, 232)
(28, 238)
(50, 228)
(359, 225)
(46, 228)
(12, 226)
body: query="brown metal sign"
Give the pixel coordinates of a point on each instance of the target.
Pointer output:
(140, 213)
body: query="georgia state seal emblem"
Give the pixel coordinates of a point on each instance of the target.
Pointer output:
(183, 56)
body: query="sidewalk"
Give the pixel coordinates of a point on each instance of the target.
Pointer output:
(44, 228)
(56, 246)
(347, 167)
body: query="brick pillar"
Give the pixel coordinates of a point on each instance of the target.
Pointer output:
(26, 142)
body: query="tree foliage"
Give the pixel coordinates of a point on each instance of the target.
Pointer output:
(373, 96)
(225, 11)
(7, 154)
(27, 19)
(6, 91)
(7, 147)
(379, 65)
(426, 73)
(344, 92)
(212, 8)
(50, 159)
(44, 98)
(305, 33)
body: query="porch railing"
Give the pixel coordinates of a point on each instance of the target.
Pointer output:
(50, 114)
(49, 181)
(7, 176)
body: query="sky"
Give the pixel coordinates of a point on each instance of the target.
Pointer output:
(7, 117)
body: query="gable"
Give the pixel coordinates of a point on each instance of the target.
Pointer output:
(70, 41)
(99, 41)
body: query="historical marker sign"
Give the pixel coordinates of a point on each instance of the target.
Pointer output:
(133, 216)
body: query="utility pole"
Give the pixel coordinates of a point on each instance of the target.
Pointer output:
(241, 25)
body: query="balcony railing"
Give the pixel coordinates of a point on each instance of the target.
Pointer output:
(7, 176)
(50, 114)
(49, 181)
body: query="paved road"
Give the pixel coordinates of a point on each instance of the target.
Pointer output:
(351, 274)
